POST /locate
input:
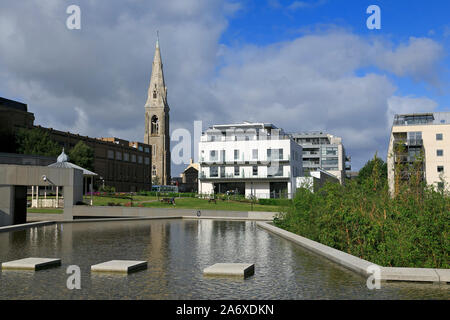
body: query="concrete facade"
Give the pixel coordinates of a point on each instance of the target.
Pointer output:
(14, 180)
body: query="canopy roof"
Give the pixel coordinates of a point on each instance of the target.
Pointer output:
(63, 162)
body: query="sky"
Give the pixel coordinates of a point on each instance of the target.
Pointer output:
(301, 65)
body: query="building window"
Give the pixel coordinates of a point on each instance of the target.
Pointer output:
(147, 150)
(439, 152)
(139, 159)
(147, 160)
(118, 155)
(255, 154)
(440, 186)
(236, 154)
(255, 170)
(236, 170)
(332, 161)
(110, 154)
(133, 158)
(439, 136)
(154, 170)
(126, 157)
(274, 154)
(275, 171)
(214, 172)
(222, 172)
(440, 169)
(213, 155)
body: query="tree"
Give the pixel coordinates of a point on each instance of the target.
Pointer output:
(82, 155)
(36, 141)
(376, 167)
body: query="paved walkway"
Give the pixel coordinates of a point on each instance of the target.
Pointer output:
(33, 217)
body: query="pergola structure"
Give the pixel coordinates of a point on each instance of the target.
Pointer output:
(63, 162)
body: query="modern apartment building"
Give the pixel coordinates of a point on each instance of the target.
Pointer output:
(252, 159)
(323, 151)
(421, 134)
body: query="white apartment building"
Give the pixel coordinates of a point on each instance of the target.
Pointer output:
(426, 134)
(252, 159)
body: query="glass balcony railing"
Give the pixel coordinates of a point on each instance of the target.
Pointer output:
(244, 175)
(242, 159)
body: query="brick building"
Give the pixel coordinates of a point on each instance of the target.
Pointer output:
(124, 165)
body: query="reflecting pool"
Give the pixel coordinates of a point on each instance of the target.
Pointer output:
(177, 251)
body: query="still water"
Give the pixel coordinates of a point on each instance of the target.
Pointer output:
(177, 251)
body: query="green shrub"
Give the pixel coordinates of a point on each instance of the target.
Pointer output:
(275, 202)
(362, 219)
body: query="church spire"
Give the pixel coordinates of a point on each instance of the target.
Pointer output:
(157, 133)
(157, 91)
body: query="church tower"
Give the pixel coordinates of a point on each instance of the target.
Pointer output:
(157, 122)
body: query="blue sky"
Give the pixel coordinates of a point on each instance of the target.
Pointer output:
(265, 22)
(301, 65)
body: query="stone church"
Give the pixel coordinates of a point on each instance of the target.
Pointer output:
(157, 122)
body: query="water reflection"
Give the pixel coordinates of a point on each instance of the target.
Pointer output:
(177, 251)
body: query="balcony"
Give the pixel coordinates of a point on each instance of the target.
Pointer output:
(414, 142)
(242, 175)
(218, 161)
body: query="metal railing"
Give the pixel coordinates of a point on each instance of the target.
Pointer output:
(243, 176)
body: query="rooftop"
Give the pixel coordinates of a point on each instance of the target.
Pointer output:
(13, 104)
(427, 118)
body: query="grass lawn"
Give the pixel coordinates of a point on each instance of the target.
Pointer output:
(44, 210)
(230, 205)
(181, 203)
(104, 200)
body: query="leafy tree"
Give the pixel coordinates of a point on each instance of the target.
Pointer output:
(36, 141)
(375, 168)
(82, 155)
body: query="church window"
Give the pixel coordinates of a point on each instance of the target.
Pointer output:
(155, 125)
(154, 94)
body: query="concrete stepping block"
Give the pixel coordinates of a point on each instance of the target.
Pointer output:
(31, 264)
(123, 266)
(230, 269)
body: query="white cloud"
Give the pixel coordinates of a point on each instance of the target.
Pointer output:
(418, 59)
(409, 104)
